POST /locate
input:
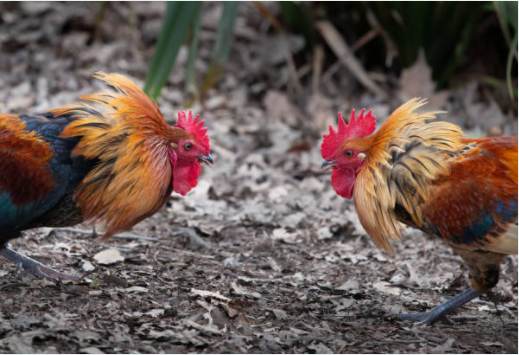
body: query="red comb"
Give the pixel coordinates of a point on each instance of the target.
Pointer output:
(357, 127)
(194, 127)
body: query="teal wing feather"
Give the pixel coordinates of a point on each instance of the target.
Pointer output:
(36, 169)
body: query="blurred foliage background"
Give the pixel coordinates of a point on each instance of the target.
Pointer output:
(383, 36)
(314, 57)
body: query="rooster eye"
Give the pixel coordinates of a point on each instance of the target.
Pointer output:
(188, 146)
(349, 153)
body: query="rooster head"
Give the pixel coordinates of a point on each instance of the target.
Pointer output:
(344, 151)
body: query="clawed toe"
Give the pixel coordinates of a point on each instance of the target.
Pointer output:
(34, 267)
(426, 318)
(47, 272)
(440, 312)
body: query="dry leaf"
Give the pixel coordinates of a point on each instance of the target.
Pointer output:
(87, 266)
(243, 292)
(350, 285)
(108, 256)
(91, 350)
(231, 312)
(386, 288)
(280, 315)
(210, 294)
(283, 235)
(416, 81)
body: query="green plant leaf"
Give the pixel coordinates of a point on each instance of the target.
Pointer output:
(509, 66)
(507, 14)
(497, 83)
(222, 44)
(191, 85)
(443, 29)
(99, 18)
(452, 50)
(224, 32)
(298, 18)
(179, 16)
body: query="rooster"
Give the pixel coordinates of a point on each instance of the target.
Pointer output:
(77, 164)
(428, 176)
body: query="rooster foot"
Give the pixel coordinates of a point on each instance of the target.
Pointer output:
(426, 318)
(438, 313)
(34, 267)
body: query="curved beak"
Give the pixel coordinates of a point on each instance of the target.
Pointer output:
(206, 159)
(328, 165)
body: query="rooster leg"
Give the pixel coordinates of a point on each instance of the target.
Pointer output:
(439, 312)
(34, 267)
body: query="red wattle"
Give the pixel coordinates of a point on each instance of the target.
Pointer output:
(185, 177)
(343, 181)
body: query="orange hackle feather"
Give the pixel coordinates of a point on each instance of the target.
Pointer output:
(426, 175)
(130, 139)
(389, 177)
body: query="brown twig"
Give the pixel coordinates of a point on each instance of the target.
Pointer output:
(269, 16)
(361, 42)
(403, 341)
(317, 68)
(342, 51)
(365, 39)
(129, 236)
(278, 28)
(340, 349)
(292, 71)
(334, 68)
(391, 49)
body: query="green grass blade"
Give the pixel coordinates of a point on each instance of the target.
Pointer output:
(191, 85)
(504, 15)
(452, 52)
(224, 32)
(167, 28)
(509, 66)
(179, 17)
(99, 18)
(223, 43)
(298, 18)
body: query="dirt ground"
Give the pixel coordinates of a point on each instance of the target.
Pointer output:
(262, 256)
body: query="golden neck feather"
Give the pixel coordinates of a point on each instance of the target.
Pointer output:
(130, 140)
(404, 156)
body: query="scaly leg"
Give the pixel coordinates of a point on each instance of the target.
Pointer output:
(439, 312)
(34, 267)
